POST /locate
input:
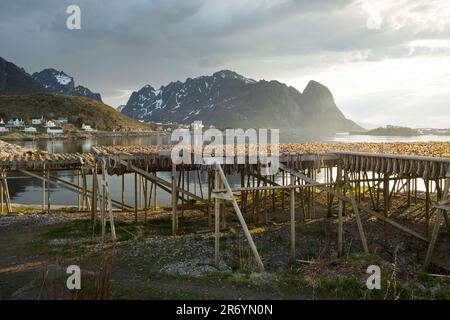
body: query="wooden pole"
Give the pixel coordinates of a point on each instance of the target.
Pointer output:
(340, 228)
(7, 195)
(174, 200)
(427, 206)
(216, 220)
(208, 211)
(182, 186)
(1, 193)
(103, 205)
(386, 205)
(43, 189)
(140, 191)
(241, 219)
(292, 222)
(48, 192)
(111, 217)
(282, 191)
(94, 195)
(86, 197)
(155, 195)
(123, 192)
(437, 224)
(135, 198)
(145, 199)
(78, 195)
(357, 216)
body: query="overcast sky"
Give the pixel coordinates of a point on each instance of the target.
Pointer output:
(385, 61)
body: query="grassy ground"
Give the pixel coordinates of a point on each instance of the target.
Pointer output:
(148, 263)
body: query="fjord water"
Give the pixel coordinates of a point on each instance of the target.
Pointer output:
(25, 190)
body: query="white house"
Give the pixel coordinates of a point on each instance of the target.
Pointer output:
(86, 127)
(37, 121)
(16, 123)
(55, 130)
(197, 125)
(3, 129)
(30, 130)
(50, 124)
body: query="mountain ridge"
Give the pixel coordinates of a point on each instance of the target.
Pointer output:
(228, 99)
(59, 82)
(15, 80)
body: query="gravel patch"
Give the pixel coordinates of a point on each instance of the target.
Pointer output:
(36, 219)
(194, 267)
(62, 242)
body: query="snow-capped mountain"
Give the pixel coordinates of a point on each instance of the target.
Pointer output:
(227, 99)
(59, 82)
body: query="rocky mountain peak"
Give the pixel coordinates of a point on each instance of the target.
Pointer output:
(228, 74)
(56, 81)
(316, 88)
(228, 99)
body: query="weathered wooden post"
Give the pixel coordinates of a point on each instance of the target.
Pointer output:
(386, 205)
(340, 228)
(443, 207)
(216, 219)
(155, 195)
(1, 193)
(145, 199)
(229, 196)
(94, 195)
(208, 209)
(3, 196)
(174, 200)
(78, 187)
(103, 205)
(43, 189)
(292, 220)
(48, 191)
(123, 191)
(427, 206)
(135, 198)
(357, 215)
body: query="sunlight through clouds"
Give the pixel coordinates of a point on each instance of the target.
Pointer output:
(431, 15)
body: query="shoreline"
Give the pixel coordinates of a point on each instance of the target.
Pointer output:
(78, 135)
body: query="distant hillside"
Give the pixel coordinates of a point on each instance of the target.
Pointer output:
(78, 110)
(14, 80)
(393, 131)
(227, 99)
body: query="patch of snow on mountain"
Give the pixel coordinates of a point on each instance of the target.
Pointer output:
(63, 79)
(158, 104)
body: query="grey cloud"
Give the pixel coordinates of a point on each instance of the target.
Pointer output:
(126, 44)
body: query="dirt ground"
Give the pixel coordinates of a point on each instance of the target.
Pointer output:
(147, 262)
